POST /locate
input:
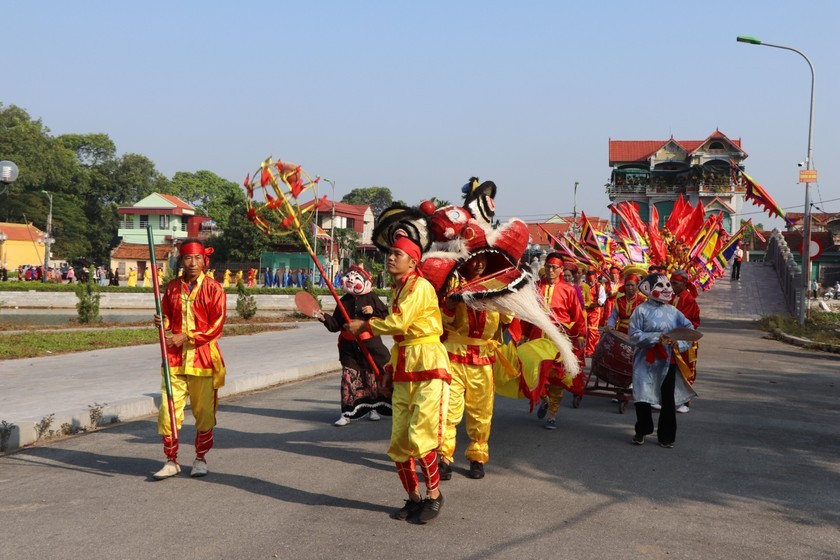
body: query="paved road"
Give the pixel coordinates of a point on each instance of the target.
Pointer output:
(754, 475)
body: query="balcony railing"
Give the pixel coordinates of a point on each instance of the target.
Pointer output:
(144, 225)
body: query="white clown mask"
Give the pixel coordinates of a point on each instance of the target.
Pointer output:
(356, 282)
(657, 287)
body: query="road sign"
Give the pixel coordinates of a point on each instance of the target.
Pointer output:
(808, 176)
(815, 249)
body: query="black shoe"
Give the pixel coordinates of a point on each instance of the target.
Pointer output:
(410, 508)
(445, 470)
(638, 440)
(476, 470)
(666, 445)
(430, 510)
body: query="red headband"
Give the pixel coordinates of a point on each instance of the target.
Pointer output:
(554, 260)
(361, 271)
(195, 248)
(632, 277)
(408, 247)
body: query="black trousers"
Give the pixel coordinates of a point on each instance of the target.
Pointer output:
(666, 431)
(736, 270)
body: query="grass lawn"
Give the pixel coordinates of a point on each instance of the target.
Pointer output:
(821, 327)
(45, 343)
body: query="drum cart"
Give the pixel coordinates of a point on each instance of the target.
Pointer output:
(611, 372)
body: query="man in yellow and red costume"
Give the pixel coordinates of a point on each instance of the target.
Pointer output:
(471, 339)
(194, 309)
(563, 304)
(419, 374)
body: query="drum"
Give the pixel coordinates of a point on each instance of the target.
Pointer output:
(613, 359)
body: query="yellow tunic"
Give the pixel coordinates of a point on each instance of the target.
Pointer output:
(420, 368)
(415, 324)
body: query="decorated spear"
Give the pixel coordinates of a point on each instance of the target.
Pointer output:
(162, 337)
(288, 182)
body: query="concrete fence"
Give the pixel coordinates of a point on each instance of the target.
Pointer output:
(788, 271)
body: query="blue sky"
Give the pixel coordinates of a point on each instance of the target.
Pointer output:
(419, 96)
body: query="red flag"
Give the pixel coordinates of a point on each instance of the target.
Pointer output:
(678, 214)
(690, 226)
(657, 247)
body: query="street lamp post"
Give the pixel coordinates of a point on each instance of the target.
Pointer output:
(48, 239)
(8, 174)
(806, 234)
(3, 238)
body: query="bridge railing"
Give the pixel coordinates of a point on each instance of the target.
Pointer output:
(788, 271)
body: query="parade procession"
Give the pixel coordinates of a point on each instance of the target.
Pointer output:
(470, 318)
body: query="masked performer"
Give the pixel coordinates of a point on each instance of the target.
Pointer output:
(419, 366)
(359, 393)
(194, 308)
(655, 376)
(471, 338)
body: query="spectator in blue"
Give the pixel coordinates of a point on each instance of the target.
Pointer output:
(300, 278)
(337, 279)
(277, 278)
(268, 279)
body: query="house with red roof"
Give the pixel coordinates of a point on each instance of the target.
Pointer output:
(172, 220)
(657, 172)
(331, 216)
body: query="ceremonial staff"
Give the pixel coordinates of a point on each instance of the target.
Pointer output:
(288, 182)
(162, 337)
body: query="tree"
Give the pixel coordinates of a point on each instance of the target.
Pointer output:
(240, 240)
(379, 198)
(91, 150)
(133, 177)
(346, 242)
(208, 193)
(439, 203)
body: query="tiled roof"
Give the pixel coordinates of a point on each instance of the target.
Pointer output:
(177, 201)
(341, 208)
(818, 217)
(140, 252)
(20, 232)
(556, 228)
(627, 151)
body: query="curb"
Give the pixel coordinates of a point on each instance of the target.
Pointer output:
(25, 432)
(805, 342)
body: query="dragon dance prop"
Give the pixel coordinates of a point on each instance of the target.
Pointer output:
(167, 383)
(287, 208)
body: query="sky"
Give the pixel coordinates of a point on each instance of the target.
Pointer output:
(420, 96)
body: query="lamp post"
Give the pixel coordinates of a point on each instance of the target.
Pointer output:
(8, 174)
(3, 238)
(48, 239)
(332, 228)
(806, 234)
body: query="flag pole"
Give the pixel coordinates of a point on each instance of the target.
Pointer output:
(167, 382)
